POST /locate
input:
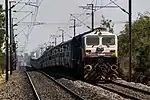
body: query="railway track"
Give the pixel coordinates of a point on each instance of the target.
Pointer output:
(125, 90)
(37, 97)
(78, 97)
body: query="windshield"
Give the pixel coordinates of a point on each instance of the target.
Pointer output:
(108, 40)
(92, 40)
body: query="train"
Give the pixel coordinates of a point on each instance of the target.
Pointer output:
(92, 55)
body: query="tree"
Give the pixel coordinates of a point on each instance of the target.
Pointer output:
(1, 37)
(106, 23)
(140, 43)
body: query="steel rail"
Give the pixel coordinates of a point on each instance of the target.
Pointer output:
(63, 86)
(130, 87)
(33, 87)
(122, 93)
(116, 91)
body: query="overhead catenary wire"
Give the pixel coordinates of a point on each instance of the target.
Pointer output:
(81, 22)
(41, 2)
(23, 18)
(32, 24)
(21, 30)
(94, 12)
(17, 3)
(86, 17)
(119, 7)
(29, 27)
(37, 9)
(21, 7)
(35, 15)
(85, 10)
(34, 20)
(77, 17)
(26, 35)
(106, 5)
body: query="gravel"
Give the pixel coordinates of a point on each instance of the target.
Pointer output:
(47, 89)
(131, 92)
(136, 85)
(17, 88)
(90, 92)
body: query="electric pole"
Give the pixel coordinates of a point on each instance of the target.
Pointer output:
(62, 34)
(55, 38)
(6, 25)
(130, 39)
(11, 35)
(130, 34)
(92, 16)
(55, 41)
(93, 8)
(74, 27)
(92, 13)
(14, 49)
(10, 22)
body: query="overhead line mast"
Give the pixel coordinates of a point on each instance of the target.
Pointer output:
(6, 25)
(130, 34)
(74, 26)
(10, 22)
(93, 8)
(130, 38)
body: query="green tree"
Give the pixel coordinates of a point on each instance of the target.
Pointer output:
(140, 43)
(1, 37)
(108, 24)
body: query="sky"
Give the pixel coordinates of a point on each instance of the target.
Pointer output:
(56, 14)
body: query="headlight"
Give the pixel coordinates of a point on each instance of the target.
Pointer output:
(88, 51)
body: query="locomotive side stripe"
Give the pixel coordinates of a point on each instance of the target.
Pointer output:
(116, 52)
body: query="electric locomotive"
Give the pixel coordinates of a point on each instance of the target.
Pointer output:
(88, 56)
(100, 58)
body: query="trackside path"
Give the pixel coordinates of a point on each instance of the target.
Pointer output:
(17, 88)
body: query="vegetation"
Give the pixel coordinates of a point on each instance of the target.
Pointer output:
(1, 37)
(106, 23)
(140, 46)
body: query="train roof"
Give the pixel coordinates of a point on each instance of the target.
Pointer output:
(96, 30)
(100, 32)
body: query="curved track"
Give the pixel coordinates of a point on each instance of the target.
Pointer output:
(64, 87)
(33, 87)
(125, 90)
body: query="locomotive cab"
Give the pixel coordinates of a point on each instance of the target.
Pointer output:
(101, 44)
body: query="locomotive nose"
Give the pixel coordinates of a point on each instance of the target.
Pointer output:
(99, 50)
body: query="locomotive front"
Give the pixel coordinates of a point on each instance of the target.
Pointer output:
(100, 56)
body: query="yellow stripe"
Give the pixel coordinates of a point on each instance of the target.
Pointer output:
(116, 52)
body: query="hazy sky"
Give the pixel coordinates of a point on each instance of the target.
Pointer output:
(56, 14)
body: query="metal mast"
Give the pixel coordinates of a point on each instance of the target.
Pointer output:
(6, 25)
